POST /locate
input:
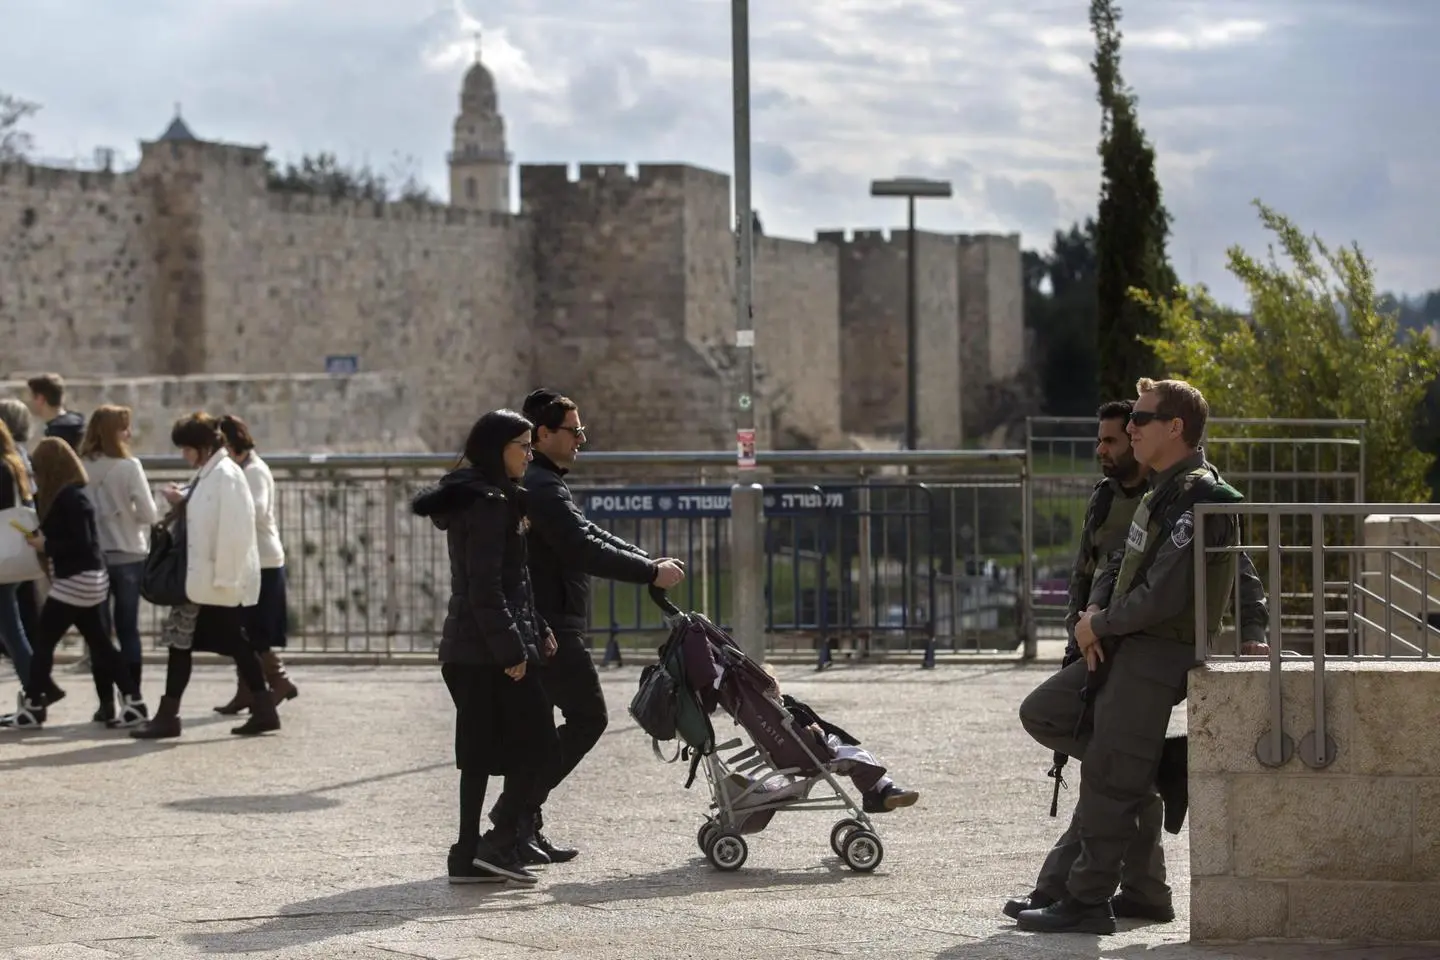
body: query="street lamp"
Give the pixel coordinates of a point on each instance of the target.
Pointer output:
(910, 188)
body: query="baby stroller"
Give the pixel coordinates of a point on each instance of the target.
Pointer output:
(786, 766)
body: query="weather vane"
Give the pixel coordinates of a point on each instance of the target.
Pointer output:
(477, 46)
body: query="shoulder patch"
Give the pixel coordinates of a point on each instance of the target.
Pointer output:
(1184, 530)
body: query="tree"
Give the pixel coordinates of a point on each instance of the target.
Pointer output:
(15, 143)
(1315, 344)
(1133, 225)
(1060, 308)
(324, 175)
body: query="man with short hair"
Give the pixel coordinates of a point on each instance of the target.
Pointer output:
(566, 550)
(1139, 626)
(47, 399)
(1144, 893)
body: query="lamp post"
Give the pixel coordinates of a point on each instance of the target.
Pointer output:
(910, 188)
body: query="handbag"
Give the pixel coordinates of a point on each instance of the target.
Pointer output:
(656, 705)
(162, 582)
(19, 562)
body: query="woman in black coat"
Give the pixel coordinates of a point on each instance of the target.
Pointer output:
(504, 722)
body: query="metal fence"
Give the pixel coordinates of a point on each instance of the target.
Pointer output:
(866, 555)
(1343, 581)
(924, 555)
(1278, 461)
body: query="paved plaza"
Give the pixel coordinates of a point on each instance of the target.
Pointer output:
(329, 838)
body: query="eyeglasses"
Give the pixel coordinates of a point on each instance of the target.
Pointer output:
(1142, 417)
(525, 445)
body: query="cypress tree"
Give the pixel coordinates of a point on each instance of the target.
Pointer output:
(1132, 226)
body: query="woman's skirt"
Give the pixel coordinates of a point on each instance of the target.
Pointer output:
(502, 726)
(267, 620)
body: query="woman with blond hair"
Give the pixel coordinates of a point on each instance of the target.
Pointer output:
(124, 512)
(69, 544)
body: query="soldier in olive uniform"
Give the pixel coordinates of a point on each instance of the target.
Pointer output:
(1139, 624)
(1144, 893)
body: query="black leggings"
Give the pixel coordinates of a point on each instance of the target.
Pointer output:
(219, 630)
(55, 619)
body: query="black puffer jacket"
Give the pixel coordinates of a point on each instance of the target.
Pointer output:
(491, 620)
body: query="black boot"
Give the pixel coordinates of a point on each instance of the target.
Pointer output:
(556, 854)
(105, 691)
(263, 718)
(1172, 781)
(1069, 916)
(527, 849)
(1035, 901)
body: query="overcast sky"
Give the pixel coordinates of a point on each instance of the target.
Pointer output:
(1325, 109)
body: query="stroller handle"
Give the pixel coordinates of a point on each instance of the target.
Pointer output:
(663, 601)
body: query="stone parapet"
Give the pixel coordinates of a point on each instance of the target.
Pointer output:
(1347, 851)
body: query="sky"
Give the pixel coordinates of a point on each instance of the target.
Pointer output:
(1323, 109)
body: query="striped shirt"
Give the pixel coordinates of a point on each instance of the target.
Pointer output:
(87, 588)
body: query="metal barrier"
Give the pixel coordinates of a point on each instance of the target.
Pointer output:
(903, 554)
(1331, 590)
(1289, 461)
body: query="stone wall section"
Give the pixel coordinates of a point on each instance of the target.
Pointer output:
(288, 413)
(873, 282)
(76, 274)
(1350, 851)
(992, 324)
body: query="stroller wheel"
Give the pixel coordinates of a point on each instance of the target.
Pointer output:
(708, 829)
(728, 851)
(840, 832)
(863, 851)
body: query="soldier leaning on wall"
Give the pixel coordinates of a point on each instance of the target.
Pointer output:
(1144, 893)
(1138, 626)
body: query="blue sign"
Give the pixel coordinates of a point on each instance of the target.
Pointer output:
(342, 366)
(697, 503)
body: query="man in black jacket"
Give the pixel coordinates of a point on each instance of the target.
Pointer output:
(566, 550)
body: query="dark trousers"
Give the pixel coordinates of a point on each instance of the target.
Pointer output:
(56, 617)
(573, 685)
(1119, 750)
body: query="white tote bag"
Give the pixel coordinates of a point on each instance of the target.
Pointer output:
(18, 560)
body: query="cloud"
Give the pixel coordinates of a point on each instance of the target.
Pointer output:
(1321, 107)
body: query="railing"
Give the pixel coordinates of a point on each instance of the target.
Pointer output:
(1270, 460)
(867, 554)
(1333, 581)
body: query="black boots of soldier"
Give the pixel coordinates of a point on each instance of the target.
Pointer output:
(1172, 781)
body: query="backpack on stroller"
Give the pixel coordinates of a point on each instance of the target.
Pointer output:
(700, 668)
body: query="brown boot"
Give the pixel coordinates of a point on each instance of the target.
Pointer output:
(238, 703)
(280, 686)
(164, 725)
(263, 718)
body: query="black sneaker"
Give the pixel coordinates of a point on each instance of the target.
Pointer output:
(464, 870)
(500, 858)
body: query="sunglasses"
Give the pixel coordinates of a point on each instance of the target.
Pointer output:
(1142, 417)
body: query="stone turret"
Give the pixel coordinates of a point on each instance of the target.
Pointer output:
(479, 162)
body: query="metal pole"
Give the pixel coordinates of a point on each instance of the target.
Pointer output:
(747, 504)
(911, 334)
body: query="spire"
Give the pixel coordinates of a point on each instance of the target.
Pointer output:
(477, 46)
(177, 129)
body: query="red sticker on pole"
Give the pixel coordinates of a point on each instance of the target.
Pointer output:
(745, 449)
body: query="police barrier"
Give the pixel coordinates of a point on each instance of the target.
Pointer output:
(841, 562)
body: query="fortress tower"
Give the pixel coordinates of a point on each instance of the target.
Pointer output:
(479, 162)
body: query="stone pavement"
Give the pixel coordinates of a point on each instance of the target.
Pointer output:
(329, 838)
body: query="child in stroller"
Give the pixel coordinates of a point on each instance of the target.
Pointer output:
(793, 752)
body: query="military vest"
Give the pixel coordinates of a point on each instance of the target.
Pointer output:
(1165, 512)
(1109, 535)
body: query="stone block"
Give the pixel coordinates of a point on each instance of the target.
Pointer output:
(1210, 829)
(1229, 709)
(1395, 729)
(1353, 911)
(1226, 908)
(1425, 832)
(1322, 826)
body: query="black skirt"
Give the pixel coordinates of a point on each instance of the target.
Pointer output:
(502, 726)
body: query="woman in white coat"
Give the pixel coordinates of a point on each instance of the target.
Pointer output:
(222, 577)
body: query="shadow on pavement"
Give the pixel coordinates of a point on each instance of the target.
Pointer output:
(302, 801)
(380, 908)
(105, 751)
